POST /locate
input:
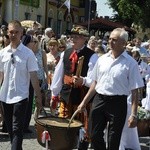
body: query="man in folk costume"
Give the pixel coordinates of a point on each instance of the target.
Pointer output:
(70, 86)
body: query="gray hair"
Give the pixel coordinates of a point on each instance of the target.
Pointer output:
(123, 34)
(48, 30)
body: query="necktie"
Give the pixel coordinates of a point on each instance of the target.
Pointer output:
(74, 58)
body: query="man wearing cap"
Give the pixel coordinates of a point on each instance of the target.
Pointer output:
(65, 82)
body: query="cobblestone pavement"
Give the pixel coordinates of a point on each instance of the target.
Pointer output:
(30, 141)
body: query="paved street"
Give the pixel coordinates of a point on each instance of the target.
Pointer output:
(30, 141)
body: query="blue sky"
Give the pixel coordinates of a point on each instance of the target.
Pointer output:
(103, 9)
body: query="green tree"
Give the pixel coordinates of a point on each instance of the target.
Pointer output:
(131, 11)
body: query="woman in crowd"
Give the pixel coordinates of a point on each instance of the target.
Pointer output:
(61, 45)
(99, 50)
(5, 42)
(27, 41)
(41, 59)
(32, 43)
(92, 44)
(52, 57)
(42, 73)
(129, 139)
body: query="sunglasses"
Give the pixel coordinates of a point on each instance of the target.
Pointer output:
(34, 41)
(76, 36)
(62, 47)
(12, 59)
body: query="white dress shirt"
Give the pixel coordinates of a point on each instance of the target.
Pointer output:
(16, 68)
(116, 76)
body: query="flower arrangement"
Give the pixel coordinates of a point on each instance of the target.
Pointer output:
(143, 114)
(80, 30)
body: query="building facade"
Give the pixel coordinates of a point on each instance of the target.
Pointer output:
(49, 13)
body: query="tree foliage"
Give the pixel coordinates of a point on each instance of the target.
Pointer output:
(131, 11)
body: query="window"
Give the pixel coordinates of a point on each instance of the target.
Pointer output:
(27, 16)
(39, 18)
(82, 3)
(50, 20)
(68, 24)
(82, 19)
(59, 25)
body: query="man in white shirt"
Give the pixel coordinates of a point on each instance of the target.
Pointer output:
(17, 66)
(115, 75)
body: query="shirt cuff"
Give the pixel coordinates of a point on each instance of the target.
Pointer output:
(84, 81)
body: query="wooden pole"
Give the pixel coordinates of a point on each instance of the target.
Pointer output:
(89, 17)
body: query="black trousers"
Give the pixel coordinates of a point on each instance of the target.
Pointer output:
(112, 109)
(14, 117)
(28, 113)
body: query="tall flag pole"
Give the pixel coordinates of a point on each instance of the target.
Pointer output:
(89, 16)
(16, 9)
(58, 3)
(67, 4)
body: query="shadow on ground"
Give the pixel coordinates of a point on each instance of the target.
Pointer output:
(5, 138)
(145, 143)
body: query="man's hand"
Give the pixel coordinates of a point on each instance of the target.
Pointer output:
(132, 121)
(54, 102)
(81, 107)
(78, 81)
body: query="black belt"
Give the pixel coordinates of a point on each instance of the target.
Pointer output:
(112, 96)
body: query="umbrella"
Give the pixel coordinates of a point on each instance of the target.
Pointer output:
(30, 23)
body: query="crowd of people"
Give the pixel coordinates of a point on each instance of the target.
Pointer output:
(113, 82)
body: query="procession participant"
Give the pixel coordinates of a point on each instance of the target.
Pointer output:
(48, 34)
(99, 50)
(30, 31)
(92, 44)
(129, 138)
(26, 40)
(146, 101)
(42, 73)
(61, 45)
(32, 43)
(144, 70)
(138, 44)
(17, 66)
(6, 42)
(3, 30)
(115, 74)
(53, 57)
(71, 87)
